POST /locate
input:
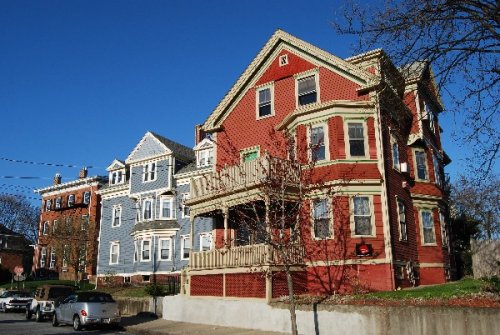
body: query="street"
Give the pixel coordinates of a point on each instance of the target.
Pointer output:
(15, 323)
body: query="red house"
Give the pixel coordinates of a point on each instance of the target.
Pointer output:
(374, 212)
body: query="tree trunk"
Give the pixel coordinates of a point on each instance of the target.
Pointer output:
(291, 305)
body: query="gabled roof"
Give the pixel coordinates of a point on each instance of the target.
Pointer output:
(115, 165)
(278, 41)
(165, 146)
(205, 143)
(415, 72)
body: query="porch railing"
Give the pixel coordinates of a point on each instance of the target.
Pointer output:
(244, 175)
(244, 256)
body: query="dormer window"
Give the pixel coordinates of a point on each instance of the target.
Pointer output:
(71, 200)
(205, 157)
(149, 172)
(116, 177)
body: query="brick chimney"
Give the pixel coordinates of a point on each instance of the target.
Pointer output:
(83, 173)
(199, 134)
(57, 179)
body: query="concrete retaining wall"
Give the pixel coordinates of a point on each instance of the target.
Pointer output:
(134, 306)
(485, 258)
(338, 320)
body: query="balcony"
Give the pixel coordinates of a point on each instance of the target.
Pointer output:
(243, 256)
(244, 176)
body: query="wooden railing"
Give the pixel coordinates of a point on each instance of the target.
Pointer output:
(244, 175)
(244, 256)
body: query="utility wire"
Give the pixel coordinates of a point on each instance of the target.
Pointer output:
(48, 164)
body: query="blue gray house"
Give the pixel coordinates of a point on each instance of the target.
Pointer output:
(146, 232)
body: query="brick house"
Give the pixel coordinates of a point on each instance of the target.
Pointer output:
(372, 131)
(69, 227)
(145, 234)
(15, 250)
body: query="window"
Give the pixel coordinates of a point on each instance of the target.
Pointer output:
(43, 257)
(356, 139)
(186, 246)
(58, 202)
(147, 209)
(306, 90)
(114, 252)
(283, 60)
(265, 104)
(146, 278)
(149, 172)
(403, 233)
(71, 200)
(86, 198)
(185, 209)
(167, 207)
(205, 241)
(437, 168)
(45, 230)
(136, 251)
(116, 177)
(52, 263)
(54, 227)
(395, 156)
(66, 256)
(249, 155)
(145, 250)
(48, 205)
(85, 222)
(431, 116)
(444, 231)
(69, 225)
(362, 215)
(421, 166)
(205, 157)
(321, 215)
(117, 216)
(165, 247)
(126, 280)
(318, 148)
(428, 227)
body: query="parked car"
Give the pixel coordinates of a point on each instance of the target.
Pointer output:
(42, 305)
(14, 300)
(87, 309)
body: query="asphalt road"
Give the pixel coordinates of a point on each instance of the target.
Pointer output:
(15, 323)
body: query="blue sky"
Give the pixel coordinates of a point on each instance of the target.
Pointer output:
(82, 81)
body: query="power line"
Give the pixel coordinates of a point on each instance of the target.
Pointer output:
(24, 177)
(16, 195)
(48, 164)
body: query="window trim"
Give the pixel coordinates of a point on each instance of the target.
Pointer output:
(396, 165)
(184, 197)
(421, 218)
(160, 240)
(444, 232)
(147, 170)
(142, 250)
(246, 151)
(48, 205)
(43, 257)
(347, 139)
(58, 203)
(209, 157)
(415, 162)
(52, 259)
(183, 246)
(437, 169)
(85, 222)
(330, 219)
(211, 241)
(170, 199)
(398, 202)
(86, 199)
(71, 200)
(323, 125)
(352, 216)
(113, 216)
(270, 87)
(300, 76)
(45, 228)
(143, 210)
(111, 245)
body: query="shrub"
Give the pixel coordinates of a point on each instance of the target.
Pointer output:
(490, 284)
(155, 290)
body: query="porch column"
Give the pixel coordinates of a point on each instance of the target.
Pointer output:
(225, 212)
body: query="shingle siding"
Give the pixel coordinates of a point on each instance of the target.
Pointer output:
(163, 178)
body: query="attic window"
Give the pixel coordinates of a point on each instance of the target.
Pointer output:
(283, 60)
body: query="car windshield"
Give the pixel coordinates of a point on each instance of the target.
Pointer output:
(94, 297)
(57, 292)
(17, 294)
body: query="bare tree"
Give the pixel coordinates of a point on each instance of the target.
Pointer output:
(479, 202)
(18, 215)
(461, 39)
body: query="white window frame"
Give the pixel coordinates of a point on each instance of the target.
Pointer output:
(48, 205)
(111, 253)
(330, 218)
(444, 231)
(205, 235)
(283, 60)
(86, 197)
(113, 216)
(136, 251)
(205, 157)
(43, 257)
(304, 75)
(169, 256)
(52, 261)
(348, 138)
(437, 167)
(142, 250)
(46, 228)
(185, 238)
(422, 235)
(117, 177)
(152, 216)
(54, 226)
(402, 219)
(169, 199)
(415, 161)
(184, 198)
(149, 172)
(71, 200)
(58, 203)
(395, 155)
(66, 250)
(326, 143)
(269, 87)
(353, 215)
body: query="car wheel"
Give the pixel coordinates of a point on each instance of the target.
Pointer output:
(55, 322)
(28, 314)
(2, 308)
(38, 315)
(77, 325)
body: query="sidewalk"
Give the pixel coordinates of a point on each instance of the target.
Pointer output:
(147, 325)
